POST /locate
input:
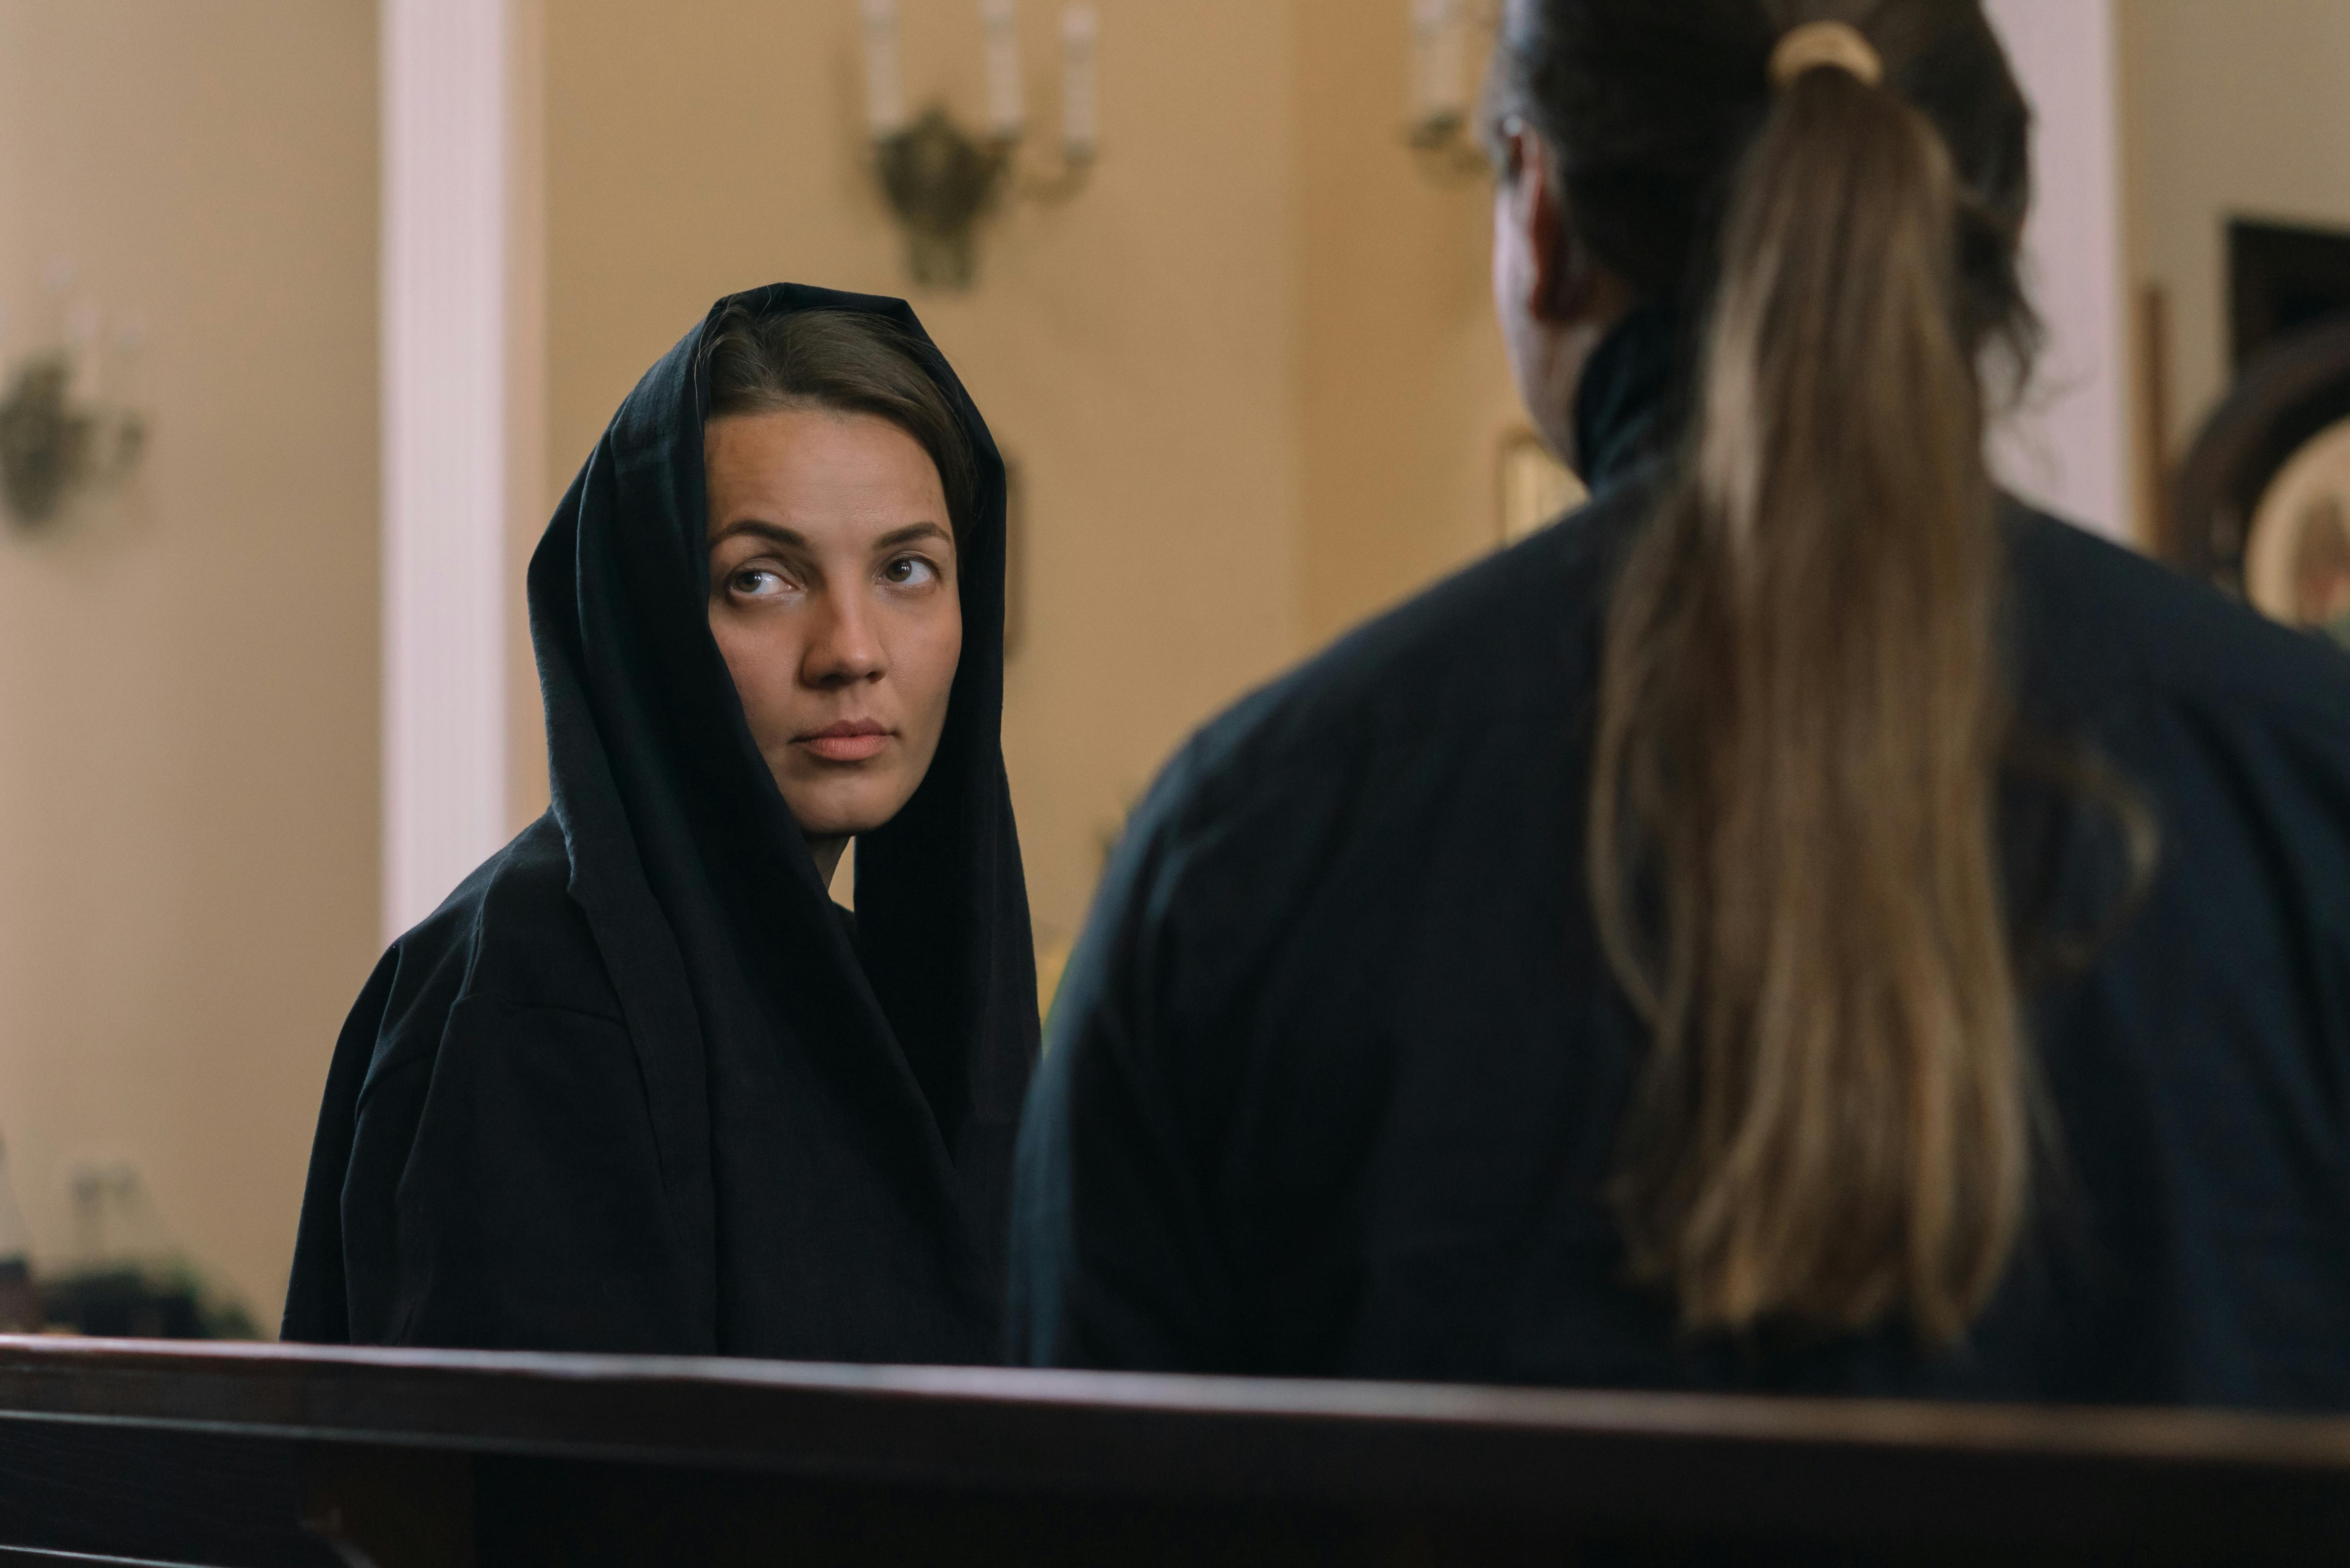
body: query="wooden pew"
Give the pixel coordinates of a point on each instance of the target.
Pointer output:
(255, 1456)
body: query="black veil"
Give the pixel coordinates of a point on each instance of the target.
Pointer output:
(831, 1108)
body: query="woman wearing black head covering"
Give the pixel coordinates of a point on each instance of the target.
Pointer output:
(640, 1085)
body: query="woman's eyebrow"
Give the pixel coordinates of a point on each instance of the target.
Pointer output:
(775, 532)
(911, 532)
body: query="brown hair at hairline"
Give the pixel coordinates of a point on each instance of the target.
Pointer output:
(1802, 706)
(848, 362)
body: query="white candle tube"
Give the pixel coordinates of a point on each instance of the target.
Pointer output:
(1000, 20)
(84, 331)
(1448, 97)
(885, 85)
(128, 345)
(1080, 92)
(1423, 18)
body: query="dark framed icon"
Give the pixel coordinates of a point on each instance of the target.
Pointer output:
(2260, 503)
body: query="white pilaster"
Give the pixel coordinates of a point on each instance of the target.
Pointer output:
(2069, 448)
(446, 412)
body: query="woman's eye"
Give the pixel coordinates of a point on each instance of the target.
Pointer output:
(909, 571)
(759, 583)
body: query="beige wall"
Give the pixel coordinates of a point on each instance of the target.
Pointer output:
(188, 757)
(2234, 109)
(1406, 393)
(1134, 348)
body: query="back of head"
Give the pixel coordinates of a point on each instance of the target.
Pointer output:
(1802, 711)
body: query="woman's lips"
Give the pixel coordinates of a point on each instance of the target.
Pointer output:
(850, 741)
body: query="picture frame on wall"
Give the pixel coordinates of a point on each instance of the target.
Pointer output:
(1535, 487)
(2297, 551)
(2260, 505)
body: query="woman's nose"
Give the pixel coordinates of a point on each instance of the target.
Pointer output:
(845, 648)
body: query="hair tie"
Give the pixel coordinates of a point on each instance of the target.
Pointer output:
(1817, 44)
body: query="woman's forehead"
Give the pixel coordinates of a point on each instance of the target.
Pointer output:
(819, 471)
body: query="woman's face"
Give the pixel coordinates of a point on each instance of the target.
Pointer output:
(832, 595)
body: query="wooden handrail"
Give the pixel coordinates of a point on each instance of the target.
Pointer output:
(1433, 1466)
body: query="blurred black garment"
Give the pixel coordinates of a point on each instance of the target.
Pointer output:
(637, 1085)
(1338, 1068)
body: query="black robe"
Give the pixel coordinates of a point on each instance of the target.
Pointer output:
(638, 1085)
(1336, 1069)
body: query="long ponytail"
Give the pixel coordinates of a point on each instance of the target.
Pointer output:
(1802, 711)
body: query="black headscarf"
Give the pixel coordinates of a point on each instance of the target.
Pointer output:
(831, 1106)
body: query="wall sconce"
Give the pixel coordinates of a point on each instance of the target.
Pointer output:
(940, 180)
(1440, 131)
(57, 435)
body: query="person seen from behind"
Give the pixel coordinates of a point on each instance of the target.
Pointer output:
(1803, 922)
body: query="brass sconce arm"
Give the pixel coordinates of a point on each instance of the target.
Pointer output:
(942, 182)
(52, 447)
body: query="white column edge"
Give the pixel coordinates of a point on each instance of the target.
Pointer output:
(2071, 447)
(444, 115)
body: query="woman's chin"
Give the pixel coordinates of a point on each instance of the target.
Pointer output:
(833, 817)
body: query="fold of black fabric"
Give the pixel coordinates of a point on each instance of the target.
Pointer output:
(1629, 404)
(636, 1085)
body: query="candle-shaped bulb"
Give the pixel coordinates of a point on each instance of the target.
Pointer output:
(885, 85)
(1423, 17)
(84, 331)
(1006, 114)
(1080, 93)
(1438, 59)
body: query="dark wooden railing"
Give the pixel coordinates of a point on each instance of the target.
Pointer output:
(262, 1454)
